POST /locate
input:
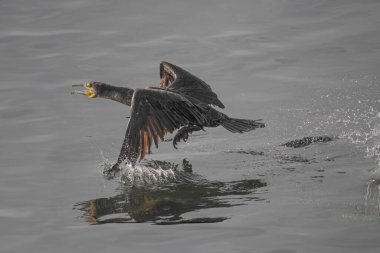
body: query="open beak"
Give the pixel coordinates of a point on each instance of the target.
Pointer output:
(88, 92)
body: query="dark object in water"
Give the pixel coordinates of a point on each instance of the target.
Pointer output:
(299, 143)
(182, 101)
(194, 221)
(246, 152)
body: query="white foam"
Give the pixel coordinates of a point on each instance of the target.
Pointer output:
(140, 174)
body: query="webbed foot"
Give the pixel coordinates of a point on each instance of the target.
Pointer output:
(180, 135)
(183, 133)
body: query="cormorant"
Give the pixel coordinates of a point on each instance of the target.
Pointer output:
(182, 101)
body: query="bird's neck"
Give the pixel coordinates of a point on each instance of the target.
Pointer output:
(120, 94)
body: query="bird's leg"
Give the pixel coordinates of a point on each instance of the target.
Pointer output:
(183, 133)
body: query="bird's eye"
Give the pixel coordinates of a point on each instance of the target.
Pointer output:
(88, 85)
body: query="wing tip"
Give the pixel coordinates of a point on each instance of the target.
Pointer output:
(220, 104)
(162, 66)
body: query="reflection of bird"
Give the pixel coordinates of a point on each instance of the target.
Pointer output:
(167, 203)
(181, 102)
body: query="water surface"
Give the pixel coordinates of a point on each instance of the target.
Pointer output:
(308, 68)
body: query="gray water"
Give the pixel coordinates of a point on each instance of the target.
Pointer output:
(308, 68)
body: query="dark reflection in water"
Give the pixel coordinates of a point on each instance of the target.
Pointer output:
(165, 203)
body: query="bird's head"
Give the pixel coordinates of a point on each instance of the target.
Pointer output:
(102, 90)
(92, 89)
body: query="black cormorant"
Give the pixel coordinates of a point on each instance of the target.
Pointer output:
(182, 101)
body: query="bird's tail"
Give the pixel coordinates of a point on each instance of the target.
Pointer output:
(241, 125)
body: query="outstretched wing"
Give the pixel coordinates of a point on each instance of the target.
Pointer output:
(179, 80)
(155, 112)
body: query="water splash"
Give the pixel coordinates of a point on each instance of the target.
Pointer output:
(353, 114)
(105, 164)
(143, 174)
(147, 175)
(148, 172)
(350, 113)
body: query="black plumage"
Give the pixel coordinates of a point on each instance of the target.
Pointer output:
(182, 101)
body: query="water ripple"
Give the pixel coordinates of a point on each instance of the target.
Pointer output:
(15, 33)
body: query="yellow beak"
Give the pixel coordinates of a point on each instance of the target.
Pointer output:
(89, 92)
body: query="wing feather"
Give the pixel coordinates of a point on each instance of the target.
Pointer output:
(179, 80)
(154, 113)
(154, 134)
